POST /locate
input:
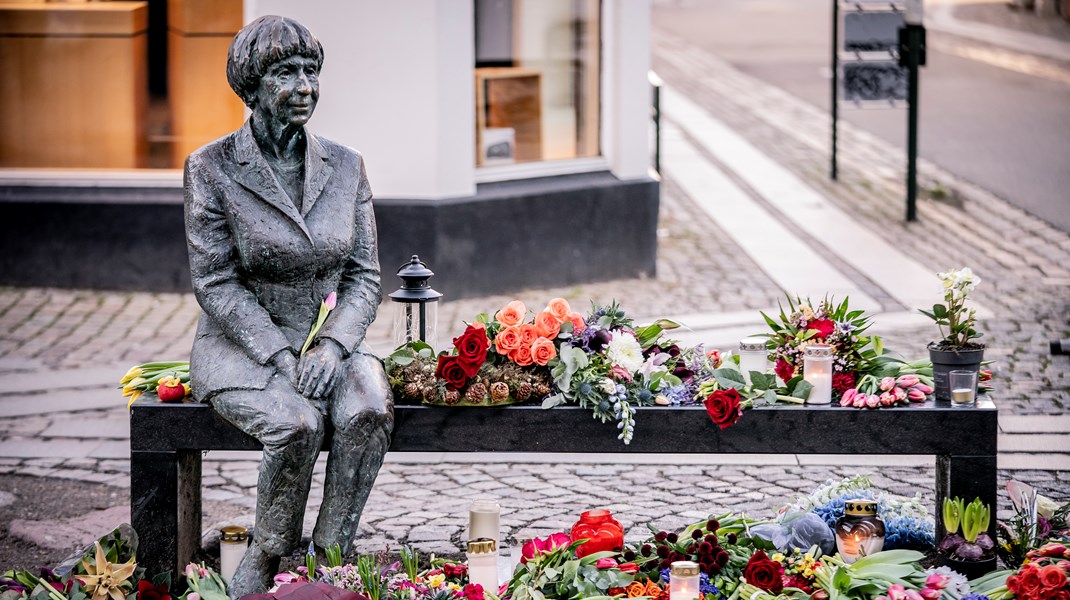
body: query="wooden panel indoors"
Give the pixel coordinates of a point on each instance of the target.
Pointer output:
(510, 97)
(78, 84)
(203, 107)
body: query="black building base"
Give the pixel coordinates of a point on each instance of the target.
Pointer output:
(509, 236)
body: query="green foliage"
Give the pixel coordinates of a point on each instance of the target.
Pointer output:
(560, 574)
(410, 561)
(370, 576)
(953, 509)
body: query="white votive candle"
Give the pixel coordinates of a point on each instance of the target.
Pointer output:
(233, 541)
(817, 371)
(484, 520)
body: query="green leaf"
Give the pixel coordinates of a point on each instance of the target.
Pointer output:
(800, 389)
(762, 381)
(554, 400)
(769, 397)
(939, 310)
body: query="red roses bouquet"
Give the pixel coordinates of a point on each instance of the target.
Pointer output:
(497, 360)
(1045, 577)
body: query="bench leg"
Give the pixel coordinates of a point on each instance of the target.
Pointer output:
(967, 477)
(165, 508)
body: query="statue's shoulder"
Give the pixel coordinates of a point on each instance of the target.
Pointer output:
(340, 154)
(214, 153)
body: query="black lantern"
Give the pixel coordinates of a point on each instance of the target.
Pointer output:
(416, 314)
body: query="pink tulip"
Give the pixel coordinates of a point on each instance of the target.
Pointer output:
(331, 301)
(913, 595)
(925, 389)
(887, 383)
(886, 399)
(907, 381)
(859, 401)
(191, 570)
(937, 581)
(848, 396)
(916, 395)
(605, 563)
(193, 596)
(873, 401)
(900, 394)
(897, 592)
(931, 593)
(539, 546)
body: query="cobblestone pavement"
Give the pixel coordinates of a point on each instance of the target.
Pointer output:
(67, 338)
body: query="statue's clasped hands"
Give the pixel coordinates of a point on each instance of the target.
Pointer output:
(316, 373)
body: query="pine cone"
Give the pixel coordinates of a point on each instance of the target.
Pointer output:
(452, 397)
(542, 390)
(412, 391)
(523, 391)
(499, 392)
(476, 393)
(430, 394)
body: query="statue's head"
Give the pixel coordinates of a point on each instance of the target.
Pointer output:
(273, 65)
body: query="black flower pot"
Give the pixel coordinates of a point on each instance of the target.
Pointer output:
(971, 569)
(945, 361)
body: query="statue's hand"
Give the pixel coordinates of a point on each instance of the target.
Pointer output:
(319, 369)
(286, 364)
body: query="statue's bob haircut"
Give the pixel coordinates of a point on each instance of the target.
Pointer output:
(262, 43)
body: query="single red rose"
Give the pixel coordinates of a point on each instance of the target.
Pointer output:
(1030, 579)
(1060, 595)
(764, 574)
(451, 371)
(629, 567)
(1052, 577)
(1014, 584)
(472, 348)
(146, 590)
(841, 382)
(724, 407)
(824, 328)
(784, 370)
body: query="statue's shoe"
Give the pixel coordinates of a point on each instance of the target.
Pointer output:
(254, 574)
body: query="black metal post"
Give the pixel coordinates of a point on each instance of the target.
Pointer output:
(835, 81)
(915, 40)
(656, 86)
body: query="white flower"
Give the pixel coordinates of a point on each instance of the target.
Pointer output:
(624, 351)
(608, 386)
(654, 364)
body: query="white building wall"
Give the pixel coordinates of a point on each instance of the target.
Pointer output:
(397, 85)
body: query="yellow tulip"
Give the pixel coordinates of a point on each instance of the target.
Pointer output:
(133, 397)
(132, 373)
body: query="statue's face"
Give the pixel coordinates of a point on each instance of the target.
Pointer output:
(289, 90)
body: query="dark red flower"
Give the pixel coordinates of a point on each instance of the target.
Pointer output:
(724, 407)
(784, 369)
(455, 571)
(146, 590)
(472, 349)
(473, 591)
(841, 382)
(451, 371)
(824, 328)
(764, 574)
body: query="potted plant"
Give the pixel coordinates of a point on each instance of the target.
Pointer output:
(967, 546)
(956, 351)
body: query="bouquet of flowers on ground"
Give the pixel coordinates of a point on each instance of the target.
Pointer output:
(907, 521)
(551, 568)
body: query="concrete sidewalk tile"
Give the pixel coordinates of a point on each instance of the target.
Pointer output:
(868, 460)
(111, 449)
(102, 428)
(1010, 423)
(62, 400)
(47, 449)
(1034, 442)
(57, 379)
(1031, 461)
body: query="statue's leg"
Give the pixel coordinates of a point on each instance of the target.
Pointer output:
(291, 431)
(362, 412)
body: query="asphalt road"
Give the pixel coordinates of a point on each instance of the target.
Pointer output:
(997, 118)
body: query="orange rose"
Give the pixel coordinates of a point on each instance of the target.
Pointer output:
(559, 308)
(528, 333)
(576, 319)
(522, 356)
(542, 351)
(652, 589)
(636, 589)
(507, 340)
(512, 313)
(547, 324)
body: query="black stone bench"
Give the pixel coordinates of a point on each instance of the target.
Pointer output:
(167, 441)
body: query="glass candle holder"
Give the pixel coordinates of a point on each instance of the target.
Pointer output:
(484, 520)
(684, 580)
(233, 541)
(963, 386)
(859, 532)
(483, 563)
(817, 370)
(602, 531)
(753, 356)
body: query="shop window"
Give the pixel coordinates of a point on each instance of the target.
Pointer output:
(537, 80)
(115, 84)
